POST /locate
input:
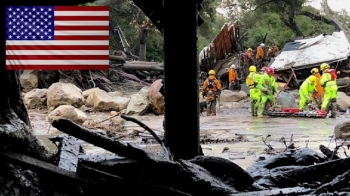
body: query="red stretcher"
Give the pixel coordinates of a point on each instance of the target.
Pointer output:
(295, 112)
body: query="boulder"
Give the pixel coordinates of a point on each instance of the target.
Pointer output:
(64, 94)
(295, 94)
(138, 102)
(67, 112)
(28, 80)
(343, 100)
(342, 130)
(115, 94)
(231, 96)
(88, 92)
(244, 94)
(155, 98)
(36, 98)
(122, 102)
(229, 105)
(100, 100)
(286, 100)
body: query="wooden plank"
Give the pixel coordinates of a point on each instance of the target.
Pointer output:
(41, 166)
(69, 153)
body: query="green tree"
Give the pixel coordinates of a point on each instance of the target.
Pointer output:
(281, 20)
(135, 26)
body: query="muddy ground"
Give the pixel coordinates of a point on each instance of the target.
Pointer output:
(232, 134)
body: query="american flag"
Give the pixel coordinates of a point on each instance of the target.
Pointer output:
(57, 37)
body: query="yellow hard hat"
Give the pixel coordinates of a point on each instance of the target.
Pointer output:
(324, 66)
(249, 49)
(312, 79)
(252, 68)
(314, 70)
(211, 72)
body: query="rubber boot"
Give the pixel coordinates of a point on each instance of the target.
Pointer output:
(333, 108)
(252, 108)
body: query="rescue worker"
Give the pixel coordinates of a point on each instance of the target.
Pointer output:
(329, 83)
(268, 87)
(211, 89)
(248, 57)
(272, 50)
(318, 94)
(232, 77)
(260, 54)
(255, 94)
(305, 91)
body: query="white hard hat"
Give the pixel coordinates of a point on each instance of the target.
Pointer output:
(233, 66)
(262, 45)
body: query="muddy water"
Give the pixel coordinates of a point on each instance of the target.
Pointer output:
(232, 129)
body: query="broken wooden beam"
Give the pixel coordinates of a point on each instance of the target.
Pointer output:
(71, 128)
(117, 58)
(41, 166)
(68, 148)
(321, 172)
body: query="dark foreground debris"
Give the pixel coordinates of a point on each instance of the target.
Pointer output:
(131, 170)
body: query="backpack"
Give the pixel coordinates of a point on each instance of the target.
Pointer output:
(250, 81)
(211, 83)
(333, 74)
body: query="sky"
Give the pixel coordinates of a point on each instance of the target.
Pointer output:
(335, 5)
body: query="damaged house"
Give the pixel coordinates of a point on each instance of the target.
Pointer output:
(292, 64)
(298, 57)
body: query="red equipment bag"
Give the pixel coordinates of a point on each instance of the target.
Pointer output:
(290, 110)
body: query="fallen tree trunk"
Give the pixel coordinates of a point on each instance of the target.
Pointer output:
(142, 66)
(343, 81)
(117, 58)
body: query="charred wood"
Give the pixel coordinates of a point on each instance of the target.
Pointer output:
(226, 170)
(323, 172)
(68, 149)
(109, 182)
(182, 175)
(12, 99)
(338, 183)
(329, 153)
(16, 136)
(42, 167)
(99, 140)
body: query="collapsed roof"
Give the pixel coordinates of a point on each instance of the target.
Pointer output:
(306, 53)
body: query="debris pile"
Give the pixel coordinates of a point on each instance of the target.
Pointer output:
(136, 171)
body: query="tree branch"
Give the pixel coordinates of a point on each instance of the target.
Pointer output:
(262, 4)
(320, 18)
(295, 28)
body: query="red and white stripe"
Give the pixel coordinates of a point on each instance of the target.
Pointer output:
(81, 42)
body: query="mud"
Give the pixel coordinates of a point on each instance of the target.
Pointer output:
(232, 134)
